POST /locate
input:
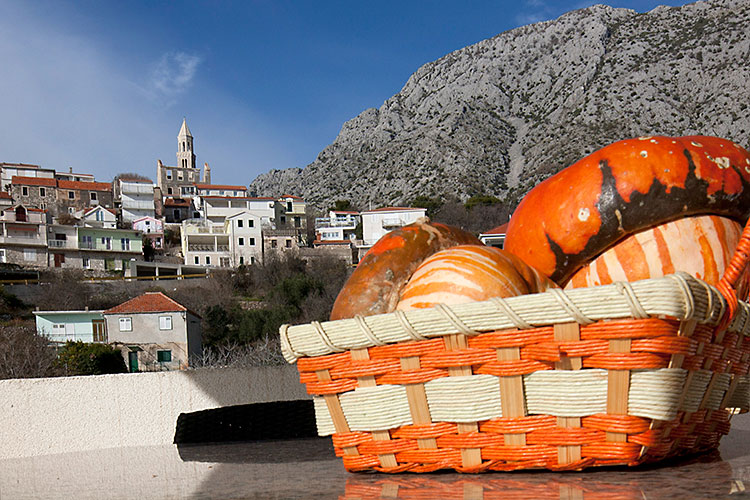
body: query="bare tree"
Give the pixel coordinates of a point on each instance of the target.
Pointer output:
(24, 353)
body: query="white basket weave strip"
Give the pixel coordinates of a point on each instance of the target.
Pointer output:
(741, 396)
(679, 296)
(655, 394)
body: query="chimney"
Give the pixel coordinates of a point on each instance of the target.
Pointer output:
(70, 170)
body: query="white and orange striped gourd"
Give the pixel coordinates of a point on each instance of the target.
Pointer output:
(468, 273)
(700, 246)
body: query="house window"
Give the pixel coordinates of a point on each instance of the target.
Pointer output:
(241, 241)
(93, 196)
(2, 255)
(107, 242)
(29, 254)
(99, 215)
(297, 222)
(197, 260)
(242, 260)
(165, 322)
(208, 260)
(42, 192)
(125, 242)
(169, 190)
(252, 242)
(86, 262)
(71, 195)
(164, 356)
(288, 206)
(289, 243)
(179, 176)
(250, 223)
(283, 220)
(273, 243)
(239, 223)
(25, 191)
(169, 178)
(126, 325)
(71, 210)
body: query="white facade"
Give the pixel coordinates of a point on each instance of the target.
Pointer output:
(148, 225)
(137, 199)
(265, 208)
(220, 190)
(377, 223)
(217, 208)
(245, 238)
(97, 217)
(236, 241)
(338, 226)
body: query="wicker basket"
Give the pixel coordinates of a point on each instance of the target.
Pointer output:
(617, 374)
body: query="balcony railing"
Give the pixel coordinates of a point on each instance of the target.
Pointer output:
(208, 248)
(58, 243)
(321, 222)
(393, 222)
(137, 188)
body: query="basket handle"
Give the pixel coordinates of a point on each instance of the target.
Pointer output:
(728, 283)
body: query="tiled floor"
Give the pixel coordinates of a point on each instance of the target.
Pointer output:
(307, 468)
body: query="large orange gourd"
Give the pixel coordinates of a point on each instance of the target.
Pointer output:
(701, 246)
(469, 273)
(625, 187)
(374, 287)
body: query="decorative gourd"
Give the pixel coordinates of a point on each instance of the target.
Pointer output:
(374, 287)
(701, 246)
(625, 187)
(469, 273)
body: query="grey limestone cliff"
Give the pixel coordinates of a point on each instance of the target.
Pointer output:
(501, 115)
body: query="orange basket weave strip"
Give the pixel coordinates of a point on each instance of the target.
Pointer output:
(707, 358)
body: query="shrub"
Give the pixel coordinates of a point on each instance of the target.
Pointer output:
(79, 358)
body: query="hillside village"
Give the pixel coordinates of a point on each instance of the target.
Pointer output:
(180, 226)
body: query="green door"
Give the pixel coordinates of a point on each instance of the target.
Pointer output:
(133, 361)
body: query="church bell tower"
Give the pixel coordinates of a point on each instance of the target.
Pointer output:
(185, 154)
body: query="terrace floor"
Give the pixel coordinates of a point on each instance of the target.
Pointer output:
(307, 468)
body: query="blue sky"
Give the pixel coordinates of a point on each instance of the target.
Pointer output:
(103, 86)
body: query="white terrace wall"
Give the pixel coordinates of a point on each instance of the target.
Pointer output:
(68, 414)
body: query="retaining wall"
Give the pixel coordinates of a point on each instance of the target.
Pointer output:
(69, 414)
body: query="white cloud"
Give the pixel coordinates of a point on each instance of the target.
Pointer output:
(173, 74)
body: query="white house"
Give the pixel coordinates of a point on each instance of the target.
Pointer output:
(154, 332)
(495, 237)
(136, 199)
(236, 241)
(62, 326)
(97, 216)
(339, 226)
(152, 228)
(376, 223)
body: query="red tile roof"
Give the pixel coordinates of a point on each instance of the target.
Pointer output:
(345, 212)
(291, 196)
(84, 186)
(220, 186)
(261, 198)
(176, 202)
(4, 195)
(498, 230)
(33, 181)
(149, 302)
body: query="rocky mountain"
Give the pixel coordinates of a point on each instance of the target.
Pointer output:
(499, 116)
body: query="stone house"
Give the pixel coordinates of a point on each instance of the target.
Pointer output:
(78, 195)
(10, 170)
(35, 192)
(154, 332)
